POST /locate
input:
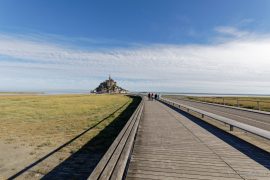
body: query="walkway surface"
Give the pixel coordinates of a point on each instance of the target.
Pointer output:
(252, 118)
(174, 145)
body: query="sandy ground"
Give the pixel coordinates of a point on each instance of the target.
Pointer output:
(10, 157)
(15, 157)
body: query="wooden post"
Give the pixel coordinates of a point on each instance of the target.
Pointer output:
(223, 100)
(237, 100)
(231, 127)
(258, 105)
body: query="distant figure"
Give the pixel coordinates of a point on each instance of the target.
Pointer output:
(149, 96)
(152, 96)
(156, 96)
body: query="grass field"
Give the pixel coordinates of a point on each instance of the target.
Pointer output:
(257, 103)
(35, 124)
(20, 93)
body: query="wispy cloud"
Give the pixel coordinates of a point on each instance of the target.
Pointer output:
(246, 21)
(233, 66)
(231, 31)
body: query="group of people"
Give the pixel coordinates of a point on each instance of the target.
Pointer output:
(152, 96)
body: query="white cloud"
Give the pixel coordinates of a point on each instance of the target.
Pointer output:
(234, 66)
(231, 31)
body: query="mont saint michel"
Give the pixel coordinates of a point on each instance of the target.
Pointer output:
(109, 86)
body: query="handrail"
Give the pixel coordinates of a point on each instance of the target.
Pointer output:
(113, 164)
(237, 102)
(227, 106)
(251, 129)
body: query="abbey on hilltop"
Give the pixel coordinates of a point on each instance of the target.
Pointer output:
(109, 86)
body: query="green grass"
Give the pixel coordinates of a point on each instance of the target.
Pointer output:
(245, 102)
(51, 120)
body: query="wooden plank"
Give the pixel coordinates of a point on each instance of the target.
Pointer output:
(105, 167)
(170, 146)
(125, 154)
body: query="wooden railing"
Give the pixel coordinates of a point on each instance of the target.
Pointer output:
(232, 123)
(113, 164)
(242, 102)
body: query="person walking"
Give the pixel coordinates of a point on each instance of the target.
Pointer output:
(155, 96)
(149, 96)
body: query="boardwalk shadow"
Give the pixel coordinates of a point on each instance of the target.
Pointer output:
(80, 164)
(62, 146)
(260, 156)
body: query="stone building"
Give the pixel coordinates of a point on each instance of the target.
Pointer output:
(109, 86)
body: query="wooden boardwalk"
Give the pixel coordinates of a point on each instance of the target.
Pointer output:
(170, 145)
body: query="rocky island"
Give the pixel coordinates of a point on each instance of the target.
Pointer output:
(109, 86)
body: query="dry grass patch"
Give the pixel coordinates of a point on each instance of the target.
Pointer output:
(36, 124)
(48, 120)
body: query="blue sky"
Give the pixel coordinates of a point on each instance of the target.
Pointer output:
(181, 46)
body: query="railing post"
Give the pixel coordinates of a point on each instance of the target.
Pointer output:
(258, 105)
(237, 100)
(230, 123)
(223, 100)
